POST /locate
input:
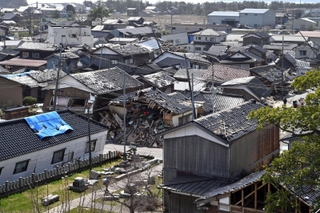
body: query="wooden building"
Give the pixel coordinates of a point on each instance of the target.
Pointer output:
(212, 151)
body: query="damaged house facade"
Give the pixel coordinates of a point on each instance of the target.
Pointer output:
(213, 151)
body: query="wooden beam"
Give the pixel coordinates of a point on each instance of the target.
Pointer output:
(255, 196)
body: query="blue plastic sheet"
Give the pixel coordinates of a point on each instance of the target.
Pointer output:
(48, 124)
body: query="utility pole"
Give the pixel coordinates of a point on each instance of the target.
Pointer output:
(190, 88)
(124, 118)
(171, 22)
(57, 81)
(282, 68)
(212, 87)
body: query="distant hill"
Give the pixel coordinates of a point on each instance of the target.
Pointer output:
(13, 3)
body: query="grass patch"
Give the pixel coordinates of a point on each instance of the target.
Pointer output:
(87, 210)
(27, 201)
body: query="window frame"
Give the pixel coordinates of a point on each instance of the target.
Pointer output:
(114, 61)
(23, 169)
(25, 54)
(302, 52)
(1, 168)
(54, 160)
(35, 55)
(93, 146)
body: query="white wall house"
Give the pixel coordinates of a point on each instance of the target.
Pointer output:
(204, 39)
(30, 154)
(71, 35)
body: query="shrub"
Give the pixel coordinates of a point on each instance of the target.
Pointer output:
(29, 100)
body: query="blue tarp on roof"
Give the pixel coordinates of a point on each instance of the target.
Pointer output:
(48, 124)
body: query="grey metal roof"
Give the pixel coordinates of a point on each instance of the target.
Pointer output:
(252, 83)
(209, 32)
(17, 138)
(37, 46)
(107, 80)
(257, 11)
(175, 102)
(279, 46)
(136, 31)
(235, 186)
(193, 56)
(224, 13)
(194, 185)
(159, 79)
(232, 123)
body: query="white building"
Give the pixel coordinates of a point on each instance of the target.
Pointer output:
(24, 151)
(224, 17)
(257, 18)
(70, 35)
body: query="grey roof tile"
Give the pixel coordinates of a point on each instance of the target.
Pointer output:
(37, 46)
(17, 138)
(232, 123)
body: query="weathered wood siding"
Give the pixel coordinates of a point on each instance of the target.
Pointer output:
(11, 93)
(180, 203)
(196, 155)
(248, 150)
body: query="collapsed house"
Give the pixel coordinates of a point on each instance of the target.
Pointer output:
(148, 112)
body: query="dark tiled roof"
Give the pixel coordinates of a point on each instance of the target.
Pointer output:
(107, 80)
(260, 34)
(217, 50)
(232, 123)
(17, 138)
(175, 102)
(136, 31)
(253, 83)
(269, 72)
(193, 56)
(279, 46)
(8, 16)
(37, 46)
(46, 75)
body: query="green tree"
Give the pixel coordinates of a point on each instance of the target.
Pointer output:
(29, 100)
(99, 13)
(297, 169)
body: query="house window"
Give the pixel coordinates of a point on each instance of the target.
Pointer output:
(184, 119)
(173, 28)
(199, 38)
(198, 48)
(74, 36)
(212, 39)
(58, 156)
(93, 146)
(113, 61)
(25, 54)
(303, 52)
(129, 61)
(1, 170)
(21, 166)
(70, 156)
(35, 55)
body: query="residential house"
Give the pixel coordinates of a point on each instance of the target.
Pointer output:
(277, 48)
(126, 57)
(36, 50)
(7, 54)
(288, 39)
(249, 88)
(313, 36)
(47, 147)
(171, 109)
(70, 35)
(204, 39)
(272, 76)
(176, 39)
(13, 17)
(184, 77)
(138, 32)
(245, 56)
(150, 10)
(147, 68)
(135, 21)
(75, 90)
(32, 82)
(178, 59)
(212, 151)
(16, 64)
(196, 27)
(307, 52)
(216, 53)
(112, 24)
(69, 61)
(289, 61)
(161, 80)
(11, 93)
(132, 12)
(258, 38)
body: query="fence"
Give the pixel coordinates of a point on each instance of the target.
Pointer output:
(11, 187)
